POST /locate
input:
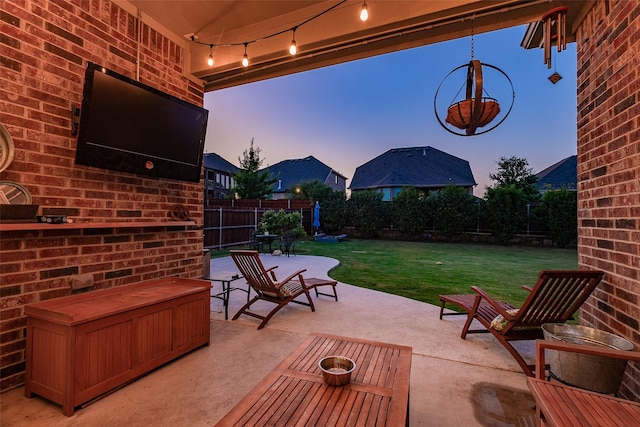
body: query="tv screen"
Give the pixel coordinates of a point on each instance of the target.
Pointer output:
(131, 127)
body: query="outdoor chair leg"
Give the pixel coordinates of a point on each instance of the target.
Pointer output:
(471, 316)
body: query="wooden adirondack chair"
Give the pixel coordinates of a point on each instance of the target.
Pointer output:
(268, 288)
(555, 298)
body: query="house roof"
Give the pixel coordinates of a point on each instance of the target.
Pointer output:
(215, 162)
(295, 171)
(422, 167)
(559, 175)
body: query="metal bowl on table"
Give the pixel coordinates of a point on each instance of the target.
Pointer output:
(336, 370)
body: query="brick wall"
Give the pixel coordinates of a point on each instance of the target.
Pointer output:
(44, 48)
(608, 45)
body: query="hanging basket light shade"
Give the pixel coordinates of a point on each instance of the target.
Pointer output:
(463, 114)
(475, 110)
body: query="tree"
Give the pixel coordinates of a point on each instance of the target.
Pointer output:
(367, 212)
(559, 213)
(250, 183)
(311, 190)
(454, 209)
(333, 212)
(506, 206)
(516, 171)
(333, 205)
(410, 211)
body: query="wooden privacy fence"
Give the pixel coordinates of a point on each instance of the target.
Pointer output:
(230, 222)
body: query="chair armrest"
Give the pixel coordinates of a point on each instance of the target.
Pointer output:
(273, 273)
(291, 276)
(493, 303)
(592, 350)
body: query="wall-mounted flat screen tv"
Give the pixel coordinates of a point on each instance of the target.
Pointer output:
(131, 127)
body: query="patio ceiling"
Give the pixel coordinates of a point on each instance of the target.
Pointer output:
(334, 37)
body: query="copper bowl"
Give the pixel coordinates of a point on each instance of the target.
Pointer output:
(336, 370)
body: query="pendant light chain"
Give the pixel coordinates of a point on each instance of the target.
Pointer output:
(472, 43)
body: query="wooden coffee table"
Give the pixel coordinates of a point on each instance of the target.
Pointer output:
(295, 394)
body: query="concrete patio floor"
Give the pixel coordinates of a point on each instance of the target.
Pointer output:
(454, 382)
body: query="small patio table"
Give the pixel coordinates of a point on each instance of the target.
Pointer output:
(268, 239)
(294, 393)
(225, 278)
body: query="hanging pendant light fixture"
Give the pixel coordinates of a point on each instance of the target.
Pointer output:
(554, 30)
(245, 58)
(210, 59)
(293, 49)
(364, 12)
(476, 110)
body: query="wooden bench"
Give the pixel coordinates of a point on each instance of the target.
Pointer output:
(82, 346)
(562, 405)
(294, 393)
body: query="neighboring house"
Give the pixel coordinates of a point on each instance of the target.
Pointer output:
(289, 174)
(561, 175)
(218, 177)
(424, 168)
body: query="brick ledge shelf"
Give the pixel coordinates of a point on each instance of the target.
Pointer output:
(29, 226)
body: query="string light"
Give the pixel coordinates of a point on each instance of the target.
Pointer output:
(364, 13)
(210, 60)
(293, 49)
(245, 58)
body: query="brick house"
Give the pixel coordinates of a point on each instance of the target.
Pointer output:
(45, 47)
(291, 173)
(560, 175)
(218, 177)
(425, 168)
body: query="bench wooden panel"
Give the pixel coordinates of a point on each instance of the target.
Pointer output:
(82, 346)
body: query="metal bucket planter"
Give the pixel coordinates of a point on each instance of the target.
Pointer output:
(595, 373)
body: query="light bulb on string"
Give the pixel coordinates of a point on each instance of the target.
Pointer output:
(245, 58)
(364, 13)
(293, 49)
(210, 60)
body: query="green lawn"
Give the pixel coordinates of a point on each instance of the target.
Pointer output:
(422, 271)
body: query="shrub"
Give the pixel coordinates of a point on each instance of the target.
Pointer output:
(506, 206)
(367, 212)
(453, 210)
(333, 212)
(559, 211)
(409, 210)
(277, 222)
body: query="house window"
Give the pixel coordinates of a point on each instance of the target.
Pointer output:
(386, 194)
(337, 179)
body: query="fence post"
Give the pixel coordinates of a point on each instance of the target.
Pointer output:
(255, 218)
(221, 230)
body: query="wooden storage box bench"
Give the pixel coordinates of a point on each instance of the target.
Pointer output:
(82, 346)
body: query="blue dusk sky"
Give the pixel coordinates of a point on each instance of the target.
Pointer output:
(348, 114)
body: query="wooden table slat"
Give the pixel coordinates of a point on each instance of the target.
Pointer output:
(294, 394)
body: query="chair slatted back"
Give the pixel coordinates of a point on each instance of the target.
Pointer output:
(556, 296)
(253, 271)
